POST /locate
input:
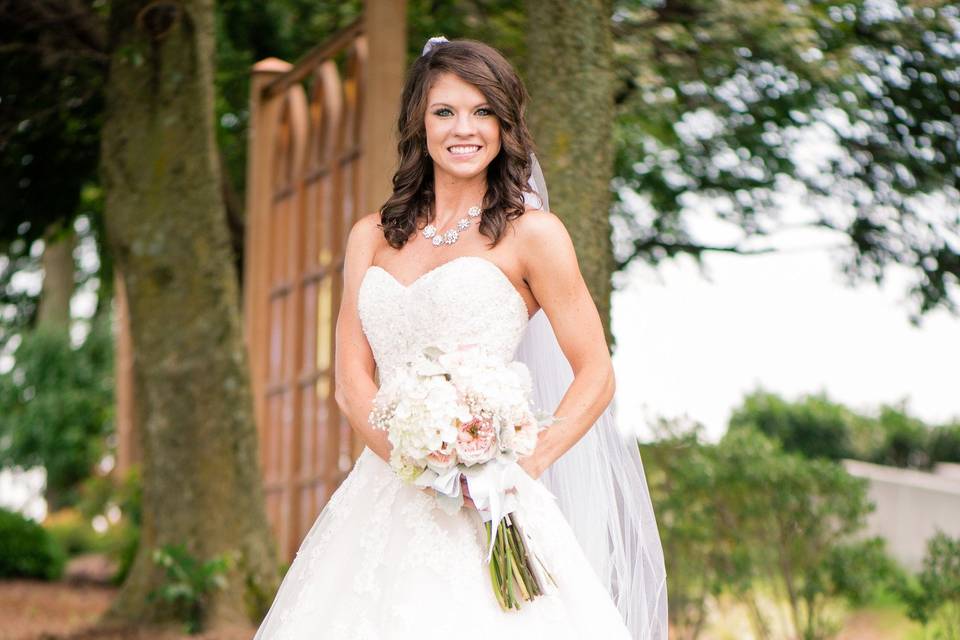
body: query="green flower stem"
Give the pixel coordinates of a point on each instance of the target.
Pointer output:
(520, 551)
(511, 566)
(501, 553)
(495, 571)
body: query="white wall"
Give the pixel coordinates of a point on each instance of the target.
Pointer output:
(910, 506)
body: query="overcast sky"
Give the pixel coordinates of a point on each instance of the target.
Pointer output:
(692, 347)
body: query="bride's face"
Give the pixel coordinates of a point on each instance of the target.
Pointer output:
(463, 134)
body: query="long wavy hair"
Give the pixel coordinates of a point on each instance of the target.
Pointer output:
(410, 207)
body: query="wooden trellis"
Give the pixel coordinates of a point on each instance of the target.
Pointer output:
(310, 176)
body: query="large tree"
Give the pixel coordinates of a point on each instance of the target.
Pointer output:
(167, 229)
(718, 102)
(570, 71)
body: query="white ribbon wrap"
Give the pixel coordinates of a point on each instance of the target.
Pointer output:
(492, 488)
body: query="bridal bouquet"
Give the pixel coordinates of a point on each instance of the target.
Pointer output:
(465, 413)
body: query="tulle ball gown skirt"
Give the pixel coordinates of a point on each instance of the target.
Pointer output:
(382, 562)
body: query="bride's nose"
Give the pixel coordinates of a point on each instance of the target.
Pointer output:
(464, 124)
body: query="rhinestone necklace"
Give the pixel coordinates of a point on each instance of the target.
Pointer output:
(451, 235)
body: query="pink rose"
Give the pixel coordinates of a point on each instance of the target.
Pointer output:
(443, 459)
(476, 441)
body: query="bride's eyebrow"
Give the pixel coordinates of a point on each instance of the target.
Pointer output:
(444, 104)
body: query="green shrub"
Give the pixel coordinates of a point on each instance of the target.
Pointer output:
(813, 426)
(934, 597)
(98, 494)
(125, 552)
(189, 582)
(56, 408)
(27, 550)
(945, 443)
(861, 571)
(743, 516)
(73, 532)
(905, 440)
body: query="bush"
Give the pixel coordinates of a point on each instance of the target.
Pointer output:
(862, 571)
(101, 493)
(945, 443)
(813, 426)
(934, 598)
(743, 516)
(73, 532)
(190, 582)
(905, 440)
(56, 408)
(27, 550)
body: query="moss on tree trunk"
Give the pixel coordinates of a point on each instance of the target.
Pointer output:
(570, 71)
(167, 229)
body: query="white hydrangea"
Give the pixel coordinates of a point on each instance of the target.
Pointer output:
(425, 405)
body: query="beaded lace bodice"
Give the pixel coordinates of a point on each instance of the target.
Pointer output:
(466, 300)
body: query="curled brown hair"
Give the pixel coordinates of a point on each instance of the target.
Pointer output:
(507, 174)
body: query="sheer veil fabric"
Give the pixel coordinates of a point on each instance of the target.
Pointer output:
(599, 483)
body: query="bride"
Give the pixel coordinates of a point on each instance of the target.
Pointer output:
(465, 251)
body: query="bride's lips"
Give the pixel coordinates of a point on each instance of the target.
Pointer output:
(471, 154)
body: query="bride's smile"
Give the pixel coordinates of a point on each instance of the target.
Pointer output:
(463, 133)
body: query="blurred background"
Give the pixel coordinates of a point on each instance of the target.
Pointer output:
(764, 199)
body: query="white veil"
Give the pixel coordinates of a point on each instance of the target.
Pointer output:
(600, 484)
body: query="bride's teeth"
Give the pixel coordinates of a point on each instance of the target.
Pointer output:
(459, 150)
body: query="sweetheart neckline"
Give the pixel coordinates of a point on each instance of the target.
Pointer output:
(505, 278)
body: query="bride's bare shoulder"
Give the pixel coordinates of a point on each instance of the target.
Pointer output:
(367, 225)
(364, 239)
(366, 230)
(543, 244)
(539, 225)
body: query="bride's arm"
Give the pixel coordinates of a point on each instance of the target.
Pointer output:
(553, 274)
(353, 359)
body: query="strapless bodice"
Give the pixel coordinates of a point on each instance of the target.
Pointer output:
(466, 300)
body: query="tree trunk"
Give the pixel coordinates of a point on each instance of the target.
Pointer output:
(166, 227)
(53, 310)
(570, 75)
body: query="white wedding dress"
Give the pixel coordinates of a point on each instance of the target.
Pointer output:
(381, 562)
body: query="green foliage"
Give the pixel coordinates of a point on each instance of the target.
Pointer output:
(759, 74)
(813, 426)
(934, 598)
(906, 439)
(945, 443)
(743, 515)
(73, 532)
(817, 427)
(861, 571)
(56, 408)
(189, 582)
(100, 493)
(27, 550)
(129, 498)
(701, 558)
(72, 527)
(718, 97)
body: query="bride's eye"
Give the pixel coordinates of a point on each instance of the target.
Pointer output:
(443, 110)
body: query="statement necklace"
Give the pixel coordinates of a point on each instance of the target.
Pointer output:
(451, 235)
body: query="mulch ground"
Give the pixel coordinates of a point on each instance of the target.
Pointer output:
(71, 608)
